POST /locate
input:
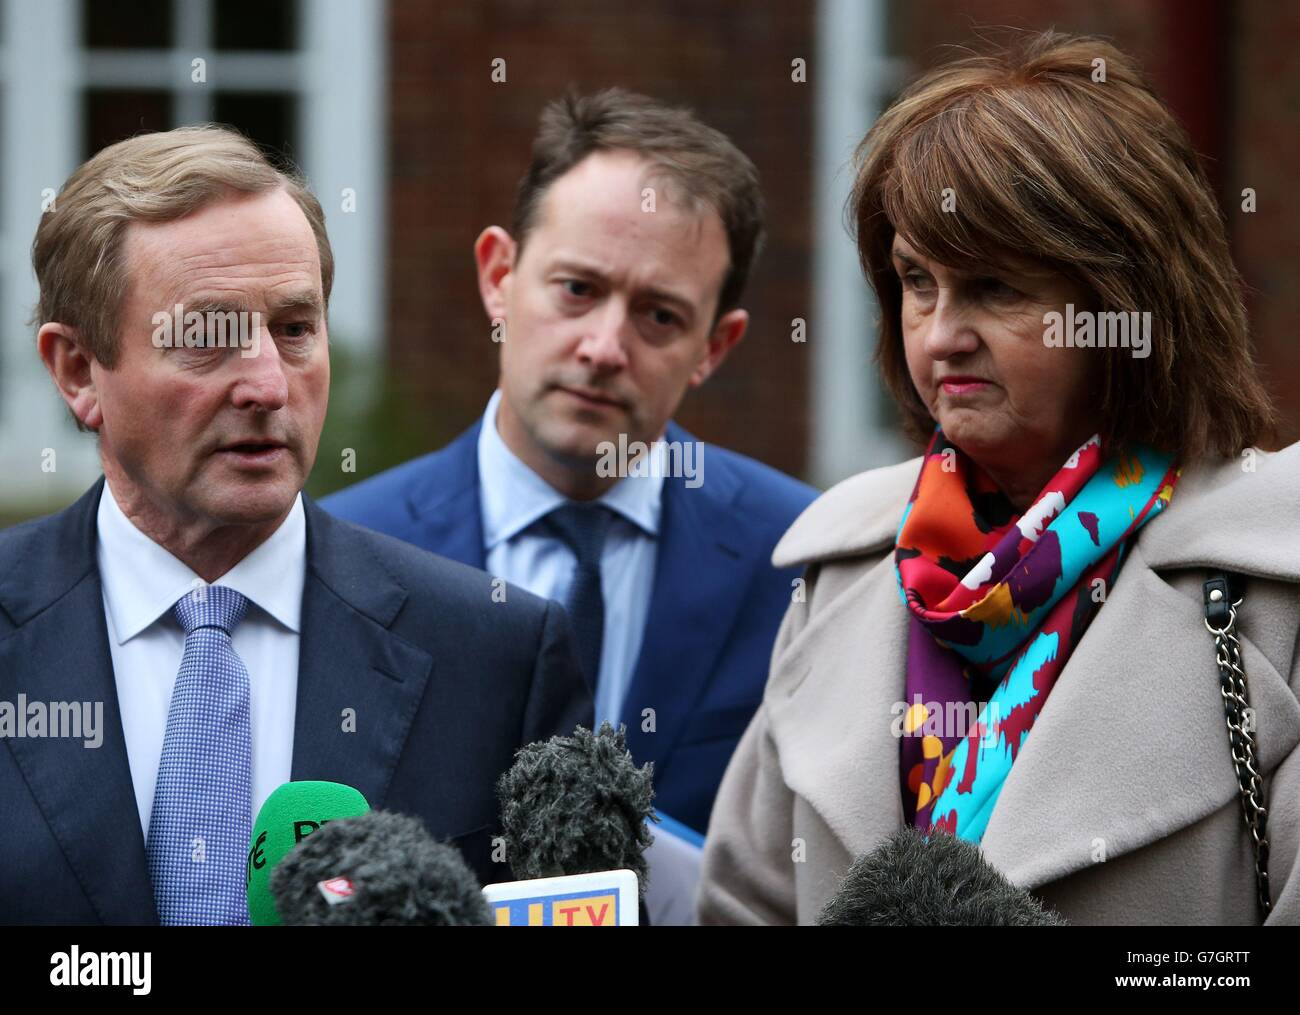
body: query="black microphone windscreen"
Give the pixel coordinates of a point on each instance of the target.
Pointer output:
(576, 805)
(400, 876)
(909, 881)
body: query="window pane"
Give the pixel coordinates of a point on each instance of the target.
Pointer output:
(269, 118)
(255, 24)
(114, 114)
(127, 24)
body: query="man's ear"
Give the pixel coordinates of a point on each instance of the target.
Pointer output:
(494, 256)
(66, 358)
(729, 330)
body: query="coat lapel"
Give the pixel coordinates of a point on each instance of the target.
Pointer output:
(1072, 797)
(445, 503)
(700, 567)
(1232, 518)
(60, 652)
(1144, 676)
(833, 705)
(834, 693)
(359, 685)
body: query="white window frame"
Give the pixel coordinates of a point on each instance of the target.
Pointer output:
(852, 75)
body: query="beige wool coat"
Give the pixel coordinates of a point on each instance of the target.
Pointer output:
(1122, 806)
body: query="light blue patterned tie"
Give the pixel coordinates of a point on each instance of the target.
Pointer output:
(202, 805)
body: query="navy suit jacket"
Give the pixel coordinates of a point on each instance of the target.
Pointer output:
(445, 683)
(714, 610)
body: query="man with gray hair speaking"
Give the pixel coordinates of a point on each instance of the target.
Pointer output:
(238, 636)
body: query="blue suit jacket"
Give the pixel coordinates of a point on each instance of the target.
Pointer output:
(445, 682)
(714, 611)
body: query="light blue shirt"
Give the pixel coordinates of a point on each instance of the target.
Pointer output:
(514, 497)
(141, 583)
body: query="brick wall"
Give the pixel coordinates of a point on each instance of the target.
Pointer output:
(1264, 124)
(460, 142)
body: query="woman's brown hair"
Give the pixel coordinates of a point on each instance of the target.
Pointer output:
(1055, 148)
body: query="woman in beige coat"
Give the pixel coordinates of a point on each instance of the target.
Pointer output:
(1005, 639)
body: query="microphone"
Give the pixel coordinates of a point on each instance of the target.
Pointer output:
(909, 881)
(294, 811)
(577, 805)
(380, 869)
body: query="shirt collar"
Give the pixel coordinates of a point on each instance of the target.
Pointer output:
(142, 581)
(514, 496)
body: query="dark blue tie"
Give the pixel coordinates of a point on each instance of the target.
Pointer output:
(583, 527)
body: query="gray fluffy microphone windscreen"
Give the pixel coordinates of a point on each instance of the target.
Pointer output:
(399, 877)
(909, 881)
(576, 805)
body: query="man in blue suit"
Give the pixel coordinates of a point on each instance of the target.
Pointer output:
(616, 290)
(221, 633)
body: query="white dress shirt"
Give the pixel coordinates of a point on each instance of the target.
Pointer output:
(514, 497)
(142, 582)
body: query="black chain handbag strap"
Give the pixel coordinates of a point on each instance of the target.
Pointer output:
(1223, 595)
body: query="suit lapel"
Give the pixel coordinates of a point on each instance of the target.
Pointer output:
(445, 504)
(701, 571)
(359, 685)
(60, 653)
(348, 659)
(700, 563)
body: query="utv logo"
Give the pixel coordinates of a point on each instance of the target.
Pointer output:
(102, 969)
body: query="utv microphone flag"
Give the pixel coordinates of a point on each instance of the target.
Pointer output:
(600, 899)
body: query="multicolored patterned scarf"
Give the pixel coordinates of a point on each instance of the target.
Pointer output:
(997, 603)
